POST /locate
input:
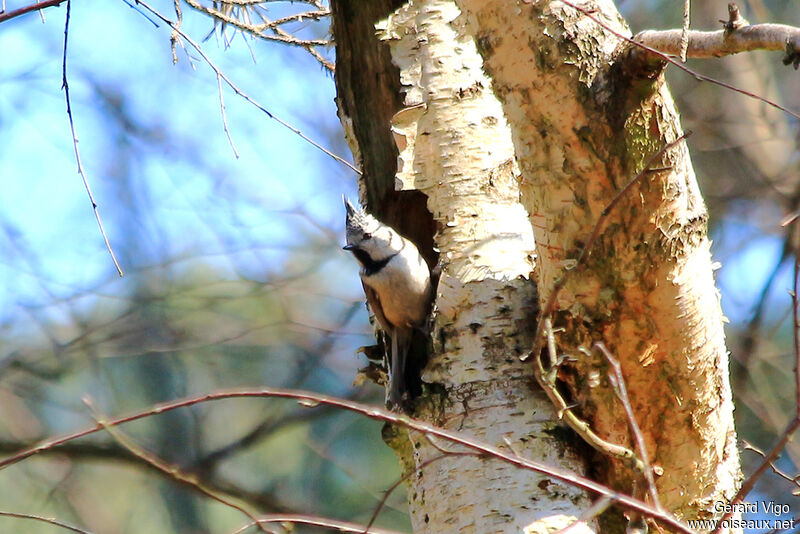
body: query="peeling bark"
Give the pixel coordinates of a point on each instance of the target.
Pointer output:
(540, 147)
(368, 95)
(648, 291)
(455, 147)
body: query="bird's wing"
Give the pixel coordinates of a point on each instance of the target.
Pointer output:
(375, 305)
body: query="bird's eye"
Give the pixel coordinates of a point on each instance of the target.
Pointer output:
(367, 236)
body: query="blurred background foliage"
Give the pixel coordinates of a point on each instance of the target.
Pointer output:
(234, 273)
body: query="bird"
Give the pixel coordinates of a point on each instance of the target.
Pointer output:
(397, 283)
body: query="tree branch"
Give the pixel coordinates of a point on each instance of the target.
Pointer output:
(310, 399)
(736, 36)
(110, 452)
(723, 43)
(27, 9)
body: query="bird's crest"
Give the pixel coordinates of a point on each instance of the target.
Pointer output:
(357, 221)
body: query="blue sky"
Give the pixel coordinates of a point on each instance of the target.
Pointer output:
(198, 190)
(196, 187)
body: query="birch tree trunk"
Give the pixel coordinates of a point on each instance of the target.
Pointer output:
(540, 147)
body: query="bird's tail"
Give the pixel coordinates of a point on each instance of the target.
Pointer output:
(401, 342)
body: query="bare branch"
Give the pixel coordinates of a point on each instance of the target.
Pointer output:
(256, 29)
(277, 33)
(45, 520)
(796, 326)
(778, 37)
(274, 26)
(172, 471)
(328, 523)
(111, 452)
(311, 399)
(224, 118)
(218, 72)
(622, 394)
(736, 36)
(27, 9)
(687, 8)
(668, 59)
(794, 424)
(791, 479)
(65, 86)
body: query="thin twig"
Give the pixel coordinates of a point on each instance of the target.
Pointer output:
(307, 398)
(597, 508)
(549, 306)
(142, 13)
(280, 34)
(394, 486)
(113, 453)
(310, 49)
(326, 522)
(796, 326)
(547, 380)
(27, 9)
(622, 394)
(45, 520)
(241, 93)
(668, 59)
(65, 86)
(172, 471)
(794, 424)
(750, 483)
(791, 479)
(687, 7)
(257, 30)
(224, 118)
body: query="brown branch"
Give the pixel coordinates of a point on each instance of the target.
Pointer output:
(274, 26)
(170, 470)
(310, 399)
(394, 486)
(65, 86)
(256, 29)
(178, 32)
(668, 59)
(796, 325)
(27, 9)
(326, 522)
(100, 452)
(794, 424)
(547, 379)
(791, 479)
(750, 483)
(45, 520)
(618, 381)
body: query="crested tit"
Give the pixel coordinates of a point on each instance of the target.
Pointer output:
(397, 283)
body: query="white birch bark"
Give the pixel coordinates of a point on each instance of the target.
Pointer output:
(581, 132)
(455, 146)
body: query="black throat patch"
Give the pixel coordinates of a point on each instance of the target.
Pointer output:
(371, 266)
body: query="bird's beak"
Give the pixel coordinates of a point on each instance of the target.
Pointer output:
(349, 247)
